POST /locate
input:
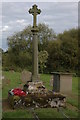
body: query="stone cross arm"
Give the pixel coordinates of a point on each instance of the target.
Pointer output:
(34, 10)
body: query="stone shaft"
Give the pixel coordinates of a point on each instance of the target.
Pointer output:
(35, 11)
(35, 59)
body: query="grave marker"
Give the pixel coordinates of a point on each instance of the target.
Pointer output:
(26, 76)
(62, 82)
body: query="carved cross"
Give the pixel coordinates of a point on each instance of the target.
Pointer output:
(34, 11)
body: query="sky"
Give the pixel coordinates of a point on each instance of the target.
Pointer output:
(59, 16)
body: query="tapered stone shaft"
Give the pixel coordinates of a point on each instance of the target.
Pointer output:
(35, 58)
(35, 11)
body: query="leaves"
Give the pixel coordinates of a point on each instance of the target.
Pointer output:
(43, 56)
(56, 52)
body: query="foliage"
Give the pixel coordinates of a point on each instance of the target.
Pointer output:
(43, 56)
(62, 50)
(45, 35)
(19, 54)
(54, 56)
(69, 49)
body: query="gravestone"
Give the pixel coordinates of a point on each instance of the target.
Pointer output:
(62, 82)
(26, 76)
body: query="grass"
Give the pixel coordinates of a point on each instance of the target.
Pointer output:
(48, 113)
(53, 113)
(71, 113)
(46, 79)
(73, 102)
(15, 81)
(17, 114)
(75, 85)
(73, 98)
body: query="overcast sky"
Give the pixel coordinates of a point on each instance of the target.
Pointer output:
(59, 16)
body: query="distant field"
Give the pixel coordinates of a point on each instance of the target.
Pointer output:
(14, 80)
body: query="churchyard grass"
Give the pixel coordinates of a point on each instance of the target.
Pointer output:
(46, 80)
(72, 100)
(17, 114)
(14, 79)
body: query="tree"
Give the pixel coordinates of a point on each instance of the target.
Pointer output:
(23, 40)
(62, 49)
(20, 45)
(69, 49)
(43, 56)
(54, 56)
(45, 35)
(63, 52)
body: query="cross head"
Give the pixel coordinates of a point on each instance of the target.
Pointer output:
(34, 11)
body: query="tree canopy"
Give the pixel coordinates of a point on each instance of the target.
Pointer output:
(61, 49)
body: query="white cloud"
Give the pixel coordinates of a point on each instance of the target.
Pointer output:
(59, 16)
(5, 28)
(20, 21)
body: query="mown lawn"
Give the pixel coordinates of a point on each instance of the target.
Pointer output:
(15, 81)
(17, 114)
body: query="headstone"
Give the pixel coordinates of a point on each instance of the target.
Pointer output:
(26, 76)
(62, 82)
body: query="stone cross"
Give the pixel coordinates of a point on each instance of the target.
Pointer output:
(35, 11)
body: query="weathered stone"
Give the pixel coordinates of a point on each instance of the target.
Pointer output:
(62, 82)
(26, 76)
(35, 11)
